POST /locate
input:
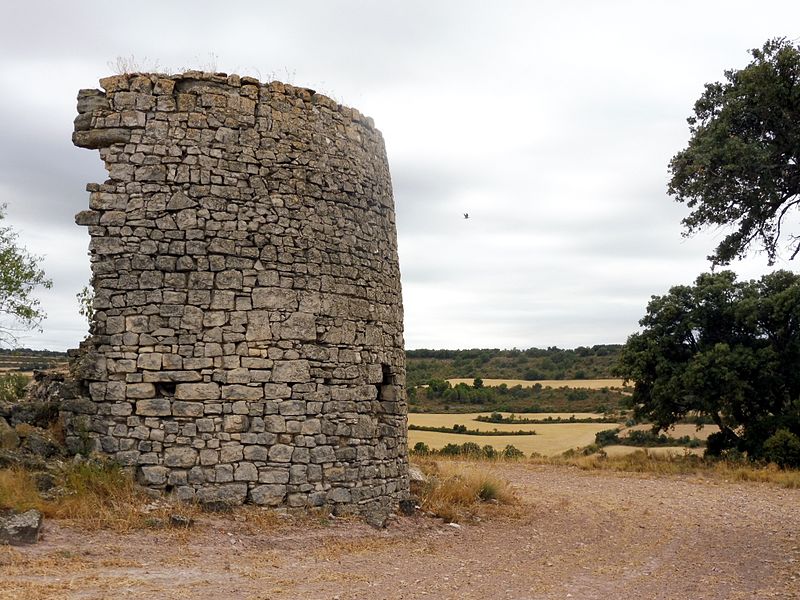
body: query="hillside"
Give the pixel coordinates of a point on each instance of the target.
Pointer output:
(531, 364)
(25, 359)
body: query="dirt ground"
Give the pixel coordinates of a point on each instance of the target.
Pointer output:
(580, 535)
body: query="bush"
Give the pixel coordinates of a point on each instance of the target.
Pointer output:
(720, 441)
(512, 452)
(606, 437)
(783, 448)
(421, 448)
(471, 449)
(12, 386)
(489, 452)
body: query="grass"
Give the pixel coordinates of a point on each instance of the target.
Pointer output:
(687, 463)
(91, 495)
(458, 491)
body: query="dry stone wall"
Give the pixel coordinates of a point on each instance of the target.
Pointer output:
(247, 340)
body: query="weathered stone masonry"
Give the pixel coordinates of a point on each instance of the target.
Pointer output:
(247, 338)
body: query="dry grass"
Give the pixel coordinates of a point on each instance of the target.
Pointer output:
(688, 463)
(592, 384)
(91, 496)
(462, 490)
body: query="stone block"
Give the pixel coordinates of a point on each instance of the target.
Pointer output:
(155, 407)
(274, 391)
(245, 471)
(181, 408)
(291, 371)
(153, 475)
(257, 453)
(180, 456)
(275, 298)
(281, 453)
(21, 529)
(268, 495)
(136, 391)
(229, 493)
(197, 391)
(299, 326)
(235, 423)
(242, 392)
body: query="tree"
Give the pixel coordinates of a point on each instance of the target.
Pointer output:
(723, 349)
(741, 168)
(20, 275)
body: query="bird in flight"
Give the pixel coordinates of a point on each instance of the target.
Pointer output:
(466, 215)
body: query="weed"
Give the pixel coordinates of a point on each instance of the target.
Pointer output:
(12, 386)
(458, 491)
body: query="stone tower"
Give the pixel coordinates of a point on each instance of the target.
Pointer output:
(247, 337)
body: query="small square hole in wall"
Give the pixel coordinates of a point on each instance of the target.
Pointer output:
(165, 388)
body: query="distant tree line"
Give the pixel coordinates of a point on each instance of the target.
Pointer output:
(439, 395)
(491, 363)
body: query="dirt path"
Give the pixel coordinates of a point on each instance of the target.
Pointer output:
(580, 535)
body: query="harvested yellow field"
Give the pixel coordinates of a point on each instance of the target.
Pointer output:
(592, 384)
(681, 430)
(468, 419)
(549, 440)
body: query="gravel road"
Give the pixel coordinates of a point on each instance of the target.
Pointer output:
(580, 535)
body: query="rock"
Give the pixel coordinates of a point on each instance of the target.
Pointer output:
(44, 481)
(39, 443)
(219, 497)
(101, 138)
(408, 507)
(415, 475)
(269, 495)
(19, 529)
(181, 521)
(377, 517)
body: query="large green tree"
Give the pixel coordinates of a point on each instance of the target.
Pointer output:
(741, 169)
(20, 275)
(723, 349)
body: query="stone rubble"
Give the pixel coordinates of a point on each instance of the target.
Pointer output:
(247, 339)
(20, 529)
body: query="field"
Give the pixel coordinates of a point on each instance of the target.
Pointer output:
(550, 439)
(591, 384)
(682, 429)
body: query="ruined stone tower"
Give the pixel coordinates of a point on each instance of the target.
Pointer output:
(247, 339)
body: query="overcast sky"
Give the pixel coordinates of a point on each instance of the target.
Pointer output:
(550, 123)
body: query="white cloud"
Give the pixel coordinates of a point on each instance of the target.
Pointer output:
(550, 123)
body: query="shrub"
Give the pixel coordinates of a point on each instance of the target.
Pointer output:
(450, 450)
(783, 448)
(12, 386)
(421, 448)
(512, 452)
(471, 449)
(606, 437)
